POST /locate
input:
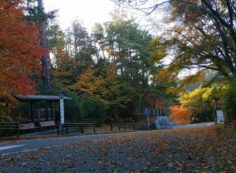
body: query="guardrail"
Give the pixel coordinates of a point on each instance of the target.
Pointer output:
(16, 128)
(10, 126)
(125, 126)
(77, 126)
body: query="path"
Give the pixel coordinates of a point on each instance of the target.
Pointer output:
(27, 145)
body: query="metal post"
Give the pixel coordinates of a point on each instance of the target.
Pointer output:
(62, 113)
(111, 128)
(31, 112)
(82, 130)
(146, 113)
(94, 130)
(148, 122)
(47, 113)
(51, 111)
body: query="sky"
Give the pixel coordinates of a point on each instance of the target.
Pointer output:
(89, 11)
(94, 11)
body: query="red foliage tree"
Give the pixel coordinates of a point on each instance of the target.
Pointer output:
(180, 115)
(20, 51)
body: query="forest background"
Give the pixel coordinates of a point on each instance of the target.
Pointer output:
(119, 69)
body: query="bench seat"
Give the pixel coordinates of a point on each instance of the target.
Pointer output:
(27, 126)
(47, 124)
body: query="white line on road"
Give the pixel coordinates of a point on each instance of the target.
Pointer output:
(10, 147)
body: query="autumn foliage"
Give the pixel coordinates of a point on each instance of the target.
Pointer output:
(19, 50)
(90, 84)
(180, 114)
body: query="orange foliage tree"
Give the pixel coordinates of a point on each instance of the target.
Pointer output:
(19, 51)
(91, 84)
(180, 114)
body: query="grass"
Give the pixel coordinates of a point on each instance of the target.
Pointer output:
(229, 133)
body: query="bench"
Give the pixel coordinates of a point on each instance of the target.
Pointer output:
(18, 128)
(47, 124)
(27, 127)
(10, 126)
(78, 126)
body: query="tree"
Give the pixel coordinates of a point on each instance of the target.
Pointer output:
(90, 84)
(204, 35)
(102, 85)
(61, 66)
(19, 51)
(180, 115)
(125, 46)
(34, 13)
(230, 102)
(80, 47)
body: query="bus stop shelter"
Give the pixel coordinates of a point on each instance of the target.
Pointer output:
(44, 114)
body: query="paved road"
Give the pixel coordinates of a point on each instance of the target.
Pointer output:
(171, 151)
(195, 125)
(9, 147)
(28, 145)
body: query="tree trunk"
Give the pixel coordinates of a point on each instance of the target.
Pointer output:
(43, 42)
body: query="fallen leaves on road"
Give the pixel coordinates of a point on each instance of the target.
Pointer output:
(197, 150)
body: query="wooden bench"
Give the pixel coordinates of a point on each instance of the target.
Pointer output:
(27, 127)
(78, 126)
(10, 126)
(47, 124)
(18, 128)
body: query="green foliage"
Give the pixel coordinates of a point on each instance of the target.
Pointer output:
(230, 102)
(34, 15)
(202, 37)
(80, 48)
(84, 109)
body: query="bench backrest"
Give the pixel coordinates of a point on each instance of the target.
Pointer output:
(47, 123)
(26, 126)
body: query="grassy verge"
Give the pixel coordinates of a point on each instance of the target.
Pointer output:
(230, 134)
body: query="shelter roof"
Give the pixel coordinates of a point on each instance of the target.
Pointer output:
(29, 98)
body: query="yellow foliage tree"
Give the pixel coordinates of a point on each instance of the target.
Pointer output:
(90, 84)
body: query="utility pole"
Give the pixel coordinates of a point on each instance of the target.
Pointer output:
(43, 42)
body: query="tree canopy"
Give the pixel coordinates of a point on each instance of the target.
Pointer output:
(19, 51)
(119, 68)
(203, 35)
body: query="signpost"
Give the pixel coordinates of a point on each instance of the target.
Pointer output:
(220, 116)
(146, 113)
(62, 112)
